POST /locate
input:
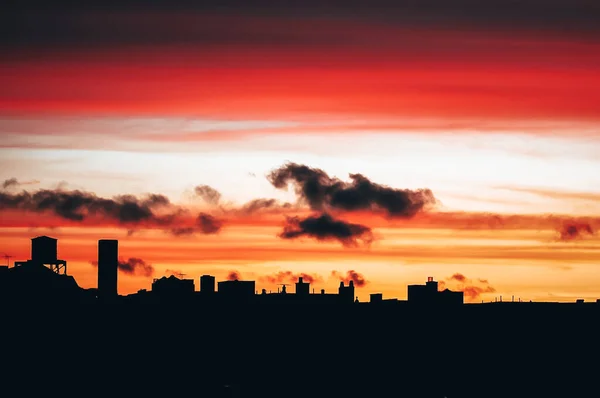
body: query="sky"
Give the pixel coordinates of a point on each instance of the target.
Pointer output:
(382, 142)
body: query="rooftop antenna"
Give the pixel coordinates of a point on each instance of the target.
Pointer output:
(283, 285)
(7, 257)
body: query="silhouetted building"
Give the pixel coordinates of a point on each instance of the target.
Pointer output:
(428, 294)
(173, 287)
(346, 293)
(34, 281)
(108, 263)
(44, 252)
(207, 284)
(450, 297)
(237, 290)
(376, 298)
(302, 288)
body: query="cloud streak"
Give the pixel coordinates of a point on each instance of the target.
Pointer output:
(290, 277)
(133, 266)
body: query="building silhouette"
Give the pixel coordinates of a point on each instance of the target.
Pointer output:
(207, 284)
(43, 276)
(236, 290)
(302, 288)
(44, 251)
(346, 293)
(108, 264)
(428, 294)
(173, 287)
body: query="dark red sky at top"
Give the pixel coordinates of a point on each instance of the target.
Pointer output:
(534, 59)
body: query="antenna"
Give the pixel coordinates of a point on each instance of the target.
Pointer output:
(283, 285)
(7, 257)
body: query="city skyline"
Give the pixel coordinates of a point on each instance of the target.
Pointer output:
(483, 116)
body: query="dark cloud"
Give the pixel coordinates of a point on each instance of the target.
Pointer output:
(13, 182)
(80, 205)
(257, 205)
(213, 197)
(205, 224)
(234, 276)
(183, 231)
(208, 194)
(136, 266)
(133, 266)
(322, 192)
(208, 224)
(290, 277)
(324, 227)
(574, 230)
(358, 279)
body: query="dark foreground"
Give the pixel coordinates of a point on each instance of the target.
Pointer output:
(174, 350)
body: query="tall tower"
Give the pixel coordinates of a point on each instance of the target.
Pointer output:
(207, 284)
(108, 262)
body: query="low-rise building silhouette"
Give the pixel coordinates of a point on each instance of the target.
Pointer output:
(207, 284)
(44, 252)
(172, 286)
(43, 276)
(346, 293)
(237, 290)
(428, 294)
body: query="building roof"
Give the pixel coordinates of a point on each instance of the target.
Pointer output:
(43, 237)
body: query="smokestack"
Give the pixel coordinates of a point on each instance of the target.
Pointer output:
(108, 262)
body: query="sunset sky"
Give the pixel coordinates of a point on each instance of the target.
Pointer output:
(385, 143)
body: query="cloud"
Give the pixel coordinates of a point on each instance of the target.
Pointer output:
(458, 277)
(571, 230)
(257, 205)
(322, 192)
(324, 227)
(205, 224)
(80, 205)
(234, 276)
(471, 289)
(358, 279)
(133, 266)
(208, 224)
(290, 277)
(13, 182)
(208, 194)
(555, 194)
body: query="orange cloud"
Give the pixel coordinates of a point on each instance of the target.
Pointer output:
(358, 279)
(290, 277)
(472, 290)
